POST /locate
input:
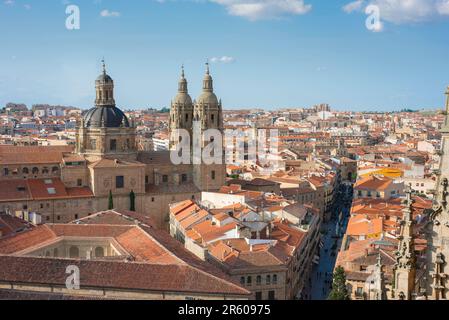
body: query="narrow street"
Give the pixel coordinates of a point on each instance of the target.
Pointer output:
(321, 277)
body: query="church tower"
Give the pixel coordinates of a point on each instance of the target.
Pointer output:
(181, 111)
(208, 109)
(438, 235)
(208, 114)
(405, 267)
(105, 131)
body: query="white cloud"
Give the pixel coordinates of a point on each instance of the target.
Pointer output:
(223, 59)
(353, 6)
(403, 11)
(9, 2)
(106, 13)
(443, 7)
(264, 9)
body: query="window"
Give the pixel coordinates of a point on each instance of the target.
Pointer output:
(74, 252)
(359, 193)
(25, 171)
(242, 280)
(5, 171)
(99, 252)
(249, 280)
(271, 295)
(212, 174)
(76, 217)
(147, 179)
(275, 279)
(119, 182)
(93, 144)
(45, 170)
(35, 170)
(184, 177)
(268, 279)
(42, 206)
(113, 145)
(58, 218)
(152, 199)
(258, 295)
(258, 280)
(79, 182)
(54, 169)
(164, 178)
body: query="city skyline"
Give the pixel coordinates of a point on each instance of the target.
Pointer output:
(277, 56)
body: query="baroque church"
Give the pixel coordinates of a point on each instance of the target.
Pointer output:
(106, 165)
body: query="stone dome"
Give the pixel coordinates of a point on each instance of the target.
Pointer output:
(183, 98)
(104, 78)
(109, 117)
(208, 98)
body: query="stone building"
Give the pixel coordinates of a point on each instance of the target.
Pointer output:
(107, 161)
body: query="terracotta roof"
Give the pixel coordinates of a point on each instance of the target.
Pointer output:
(39, 189)
(117, 275)
(162, 263)
(373, 183)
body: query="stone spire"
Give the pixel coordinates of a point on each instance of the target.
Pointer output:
(438, 229)
(208, 85)
(379, 284)
(182, 88)
(405, 267)
(446, 121)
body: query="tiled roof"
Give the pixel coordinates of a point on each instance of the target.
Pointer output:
(39, 189)
(160, 262)
(117, 275)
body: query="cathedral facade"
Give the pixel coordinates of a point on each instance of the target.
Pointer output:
(107, 167)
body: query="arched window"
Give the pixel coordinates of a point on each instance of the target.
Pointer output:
(258, 280)
(45, 170)
(35, 170)
(54, 169)
(275, 279)
(55, 252)
(25, 170)
(249, 280)
(74, 252)
(99, 252)
(268, 279)
(242, 280)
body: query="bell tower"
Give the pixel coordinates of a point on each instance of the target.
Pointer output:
(208, 114)
(181, 111)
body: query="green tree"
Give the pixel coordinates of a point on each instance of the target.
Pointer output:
(339, 290)
(132, 201)
(111, 201)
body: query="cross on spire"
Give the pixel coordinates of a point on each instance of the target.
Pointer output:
(104, 65)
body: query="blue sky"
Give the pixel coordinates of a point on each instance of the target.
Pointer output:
(264, 53)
